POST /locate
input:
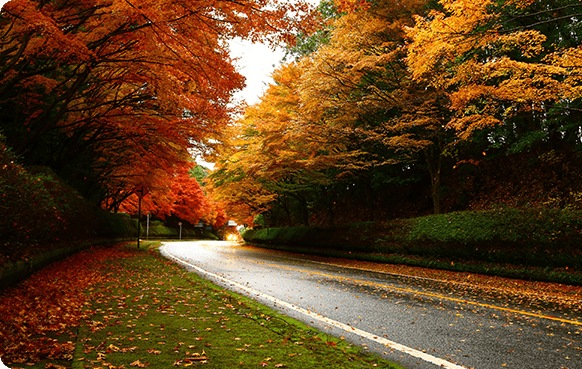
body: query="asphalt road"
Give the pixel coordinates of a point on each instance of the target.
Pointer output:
(419, 323)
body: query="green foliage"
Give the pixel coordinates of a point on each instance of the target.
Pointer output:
(210, 236)
(259, 220)
(504, 226)
(200, 173)
(159, 230)
(307, 44)
(503, 241)
(113, 226)
(352, 237)
(284, 235)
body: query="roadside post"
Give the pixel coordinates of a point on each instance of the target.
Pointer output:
(148, 227)
(180, 224)
(140, 190)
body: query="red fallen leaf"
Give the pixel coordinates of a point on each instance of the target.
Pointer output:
(55, 294)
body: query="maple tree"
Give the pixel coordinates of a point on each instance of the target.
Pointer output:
(503, 66)
(178, 195)
(287, 160)
(360, 80)
(259, 162)
(112, 93)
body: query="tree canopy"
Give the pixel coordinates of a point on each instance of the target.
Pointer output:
(417, 93)
(391, 108)
(112, 93)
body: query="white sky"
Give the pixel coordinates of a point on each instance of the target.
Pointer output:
(256, 62)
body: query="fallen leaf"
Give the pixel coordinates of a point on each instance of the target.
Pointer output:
(139, 364)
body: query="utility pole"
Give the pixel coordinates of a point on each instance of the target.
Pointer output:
(138, 220)
(140, 190)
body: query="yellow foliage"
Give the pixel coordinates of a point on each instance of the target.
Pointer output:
(465, 51)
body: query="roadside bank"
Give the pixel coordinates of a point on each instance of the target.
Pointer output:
(539, 244)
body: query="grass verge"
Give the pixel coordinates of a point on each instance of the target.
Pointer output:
(148, 312)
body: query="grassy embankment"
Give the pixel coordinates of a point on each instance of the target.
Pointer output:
(533, 244)
(147, 312)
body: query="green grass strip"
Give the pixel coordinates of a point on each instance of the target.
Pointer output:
(154, 314)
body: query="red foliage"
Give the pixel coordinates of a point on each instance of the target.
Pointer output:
(50, 303)
(179, 195)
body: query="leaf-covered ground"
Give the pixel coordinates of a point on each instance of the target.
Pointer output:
(121, 307)
(561, 296)
(40, 316)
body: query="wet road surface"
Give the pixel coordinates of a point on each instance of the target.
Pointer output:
(417, 322)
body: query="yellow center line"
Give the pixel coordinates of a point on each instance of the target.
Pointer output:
(408, 290)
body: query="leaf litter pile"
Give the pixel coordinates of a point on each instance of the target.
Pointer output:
(121, 307)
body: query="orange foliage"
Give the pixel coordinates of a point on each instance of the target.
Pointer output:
(274, 151)
(133, 84)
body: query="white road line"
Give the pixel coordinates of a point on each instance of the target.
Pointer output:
(391, 344)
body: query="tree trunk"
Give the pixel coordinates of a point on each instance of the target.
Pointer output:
(434, 166)
(304, 216)
(328, 200)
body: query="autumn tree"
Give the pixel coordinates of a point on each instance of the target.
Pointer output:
(395, 89)
(360, 80)
(181, 196)
(242, 196)
(114, 93)
(304, 44)
(265, 157)
(280, 156)
(508, 66)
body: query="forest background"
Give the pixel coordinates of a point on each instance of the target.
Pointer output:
(434, 133)
(401, 109)
(389, 110)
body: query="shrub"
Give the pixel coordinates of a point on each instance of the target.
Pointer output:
(115, 226)
(159, 230)
(527, 237)
(536, 227)
(37, 208)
